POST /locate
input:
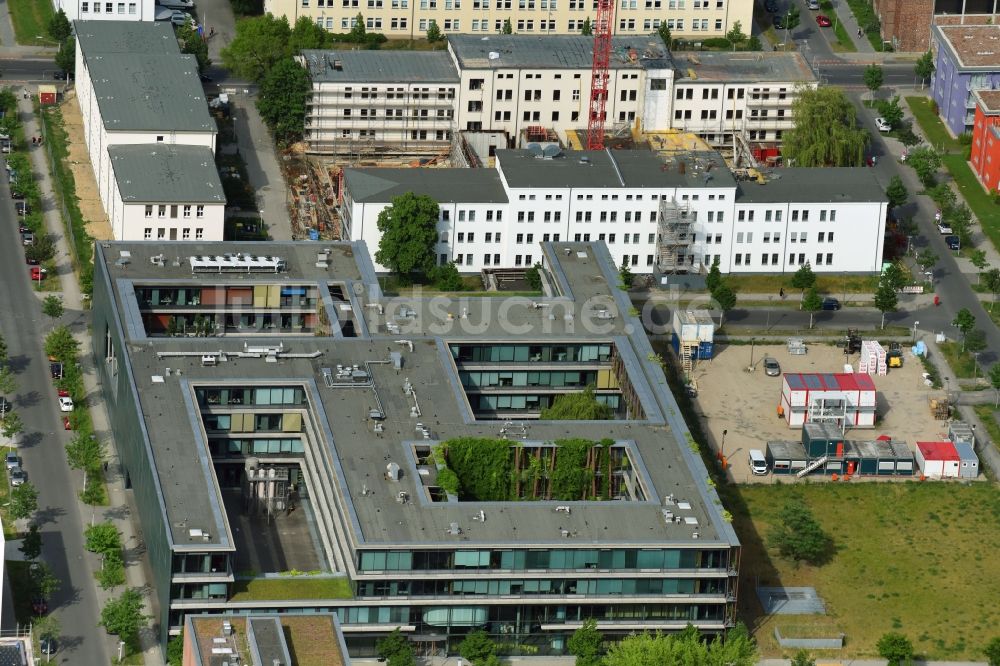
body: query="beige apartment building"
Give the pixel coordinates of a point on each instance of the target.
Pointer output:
(407, 19)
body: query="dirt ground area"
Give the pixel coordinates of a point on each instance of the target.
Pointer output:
(745, 403)
(83, 174)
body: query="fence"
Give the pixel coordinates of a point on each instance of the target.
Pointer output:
(809, 643)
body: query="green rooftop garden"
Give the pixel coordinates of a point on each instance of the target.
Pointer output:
(497, 470)
(292, 587)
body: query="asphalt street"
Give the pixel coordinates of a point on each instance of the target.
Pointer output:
(27, 70)
(43, 453)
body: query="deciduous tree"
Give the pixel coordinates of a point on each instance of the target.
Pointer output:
(282, 100)
(12, 425)
(102, 538)
(726, 298)
(23, 501)
(52, 306)
(585, 644)
(735, 34)
(123, 616)
(891, 111)
(192, 43)
(61, 345)
(798, 536)
(409, 234)
(478, 648)
(826, 131)
(395, 649)
(581, 406)
(664, 32)
(885, 298)
(66, 56)
(812, 303)
(804, 278)
(306, 34)
(925, 162)
(873, 77)
(991, 279)
(896, 648)
(894, 276)
(964, 321)
(979, 260)
(802, 658)
(896, 192)
(625, 276)
(59, 27)
(924, 67)
(260, 43)
(447, 278)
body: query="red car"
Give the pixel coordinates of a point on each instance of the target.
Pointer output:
(63, 393)
(823, 21)
(37, 273)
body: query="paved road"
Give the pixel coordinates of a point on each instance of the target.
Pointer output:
(43, 453)
(27, 69)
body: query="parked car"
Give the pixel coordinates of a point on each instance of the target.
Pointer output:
(883, 125)
(771, 367)
(779, 21)
(61, 75)
(37, 273)
(17, 477)
(27, 238)
(830, 303)
(182, 18)
(55, 370)
(30, 261)
(22, 208)
(11, 461)
(823, 21)
(21, 229)
(176, 4)
(953, 242)
(771, 6)
(65, 404)
(48, 646)
(814, 4)
(39, 605)
(944, 228)
(14, 194)
(62, 393)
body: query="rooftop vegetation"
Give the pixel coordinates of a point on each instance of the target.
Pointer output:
(497, 470)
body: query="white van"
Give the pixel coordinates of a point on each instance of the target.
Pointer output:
(758, 463)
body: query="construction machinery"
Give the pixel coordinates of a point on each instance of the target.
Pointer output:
(894, 357)
(851, 342)
(600, 75)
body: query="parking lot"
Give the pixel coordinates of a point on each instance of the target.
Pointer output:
(744, 404)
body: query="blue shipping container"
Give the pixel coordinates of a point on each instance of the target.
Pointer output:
(705, 350)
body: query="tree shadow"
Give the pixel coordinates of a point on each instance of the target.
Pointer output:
(18, 363)
(48, 515)
(29, 399)
(30, 439)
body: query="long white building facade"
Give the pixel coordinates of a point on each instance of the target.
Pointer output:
(384, 101)
(680, 215)
(100, 10)
(409, 19)
(135, 88)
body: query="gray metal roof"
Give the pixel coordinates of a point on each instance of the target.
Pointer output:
(154, 93)
(380, 66)
(267, 640)
(742, 67)
(442, 185)
(125, 37)
(820, 185)
(160, 173)
(359, 455)
(554, 52)
(607, 168)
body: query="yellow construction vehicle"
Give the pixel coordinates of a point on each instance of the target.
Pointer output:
(894, 357)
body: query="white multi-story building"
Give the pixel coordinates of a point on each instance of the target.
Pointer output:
(116, 10)
(165, 192)
(409, 19)
(380, 101)
(135, 87)
(676, 216)
(718, 93)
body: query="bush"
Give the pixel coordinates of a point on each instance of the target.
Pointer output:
(896, 649)
(716, 43)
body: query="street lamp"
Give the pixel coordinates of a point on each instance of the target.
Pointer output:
(915, 324)
(722, 449)
(750, 369)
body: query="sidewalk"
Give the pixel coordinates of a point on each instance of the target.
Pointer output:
(119, 508)
(850, 24)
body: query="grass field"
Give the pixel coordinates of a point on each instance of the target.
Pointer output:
(31, 20)
(843, 42)
(910, 557)
(987, 414)
(932, 127)
(981, 203)
(960, 362)
(825, 284)
(294, 587)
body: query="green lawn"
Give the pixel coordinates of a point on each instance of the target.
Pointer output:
(865, 16)
(8, 524)
(931, 125)
(961, 363)
(31, 20)
(981, 203)
(292, 587)
(21, 589)
(843, 42)
(994, 313)
(412, 45)
(987, 414)
(825, 284)
(908, 559)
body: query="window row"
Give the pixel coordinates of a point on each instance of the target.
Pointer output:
(222, 448)
(291, 422)
(278, 395)
(543, 378)
(745, 259)
(161, 211)
(517, 560)
(162, 232)
(492, 403)
(612, 586)
(498, 353)
(109, 7)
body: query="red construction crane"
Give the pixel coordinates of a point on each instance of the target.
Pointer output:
(599, 74)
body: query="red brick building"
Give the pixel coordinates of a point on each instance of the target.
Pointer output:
(986, 138)
(906, 24)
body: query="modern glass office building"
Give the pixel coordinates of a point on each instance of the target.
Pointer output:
(286, 430)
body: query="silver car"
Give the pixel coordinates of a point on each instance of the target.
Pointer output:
(771, 367)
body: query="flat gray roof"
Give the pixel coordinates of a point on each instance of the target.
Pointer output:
(819, 185)
(141, 37)
(442, 185)
(155, 173)
(554, 52)
(152, 93)
(742, 67)
(613, 168)
(380, 66)
(359, 454)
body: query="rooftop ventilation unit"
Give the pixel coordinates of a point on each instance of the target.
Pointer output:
(454, 529)
(236, 263)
